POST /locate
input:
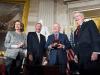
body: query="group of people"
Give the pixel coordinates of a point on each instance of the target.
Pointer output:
(86, 47)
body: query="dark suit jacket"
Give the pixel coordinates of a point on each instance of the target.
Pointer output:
(61, 53)
(35, 47)
(86, 41)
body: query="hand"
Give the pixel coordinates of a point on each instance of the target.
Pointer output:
(30, 57)
(94, 56)
(51, 46)
(76, 58)
(60, 46)
(20, 44)
(44, 59)
(44, 62)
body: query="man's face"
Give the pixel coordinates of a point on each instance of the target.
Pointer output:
(79, 18)
(56, 28)
(38, 28)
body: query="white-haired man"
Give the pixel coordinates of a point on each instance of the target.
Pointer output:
(85, 38)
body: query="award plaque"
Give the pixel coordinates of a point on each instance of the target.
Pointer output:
(56, 43)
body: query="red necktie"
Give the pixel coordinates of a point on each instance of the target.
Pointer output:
(78, 30)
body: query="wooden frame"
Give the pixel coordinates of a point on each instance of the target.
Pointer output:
(25, 9)
(24, 16)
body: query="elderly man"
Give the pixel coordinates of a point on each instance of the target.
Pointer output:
(85, 38)
(58, 43)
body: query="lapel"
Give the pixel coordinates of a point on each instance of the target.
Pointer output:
(76, 37)
(82, 29)
(40, 38)
(36, 36)
(60, 37)
(52, 37)
(75, 34)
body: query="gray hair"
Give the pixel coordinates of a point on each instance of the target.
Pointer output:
(81, 13)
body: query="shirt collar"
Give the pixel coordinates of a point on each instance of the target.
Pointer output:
(56, 33)
(37, 33)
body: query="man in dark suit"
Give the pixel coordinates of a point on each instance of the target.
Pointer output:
(58, 43)
(85, 38)
(36, 46)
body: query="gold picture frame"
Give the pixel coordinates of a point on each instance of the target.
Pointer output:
(6, 18)
(26, 4)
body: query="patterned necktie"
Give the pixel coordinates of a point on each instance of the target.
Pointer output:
(56, 36)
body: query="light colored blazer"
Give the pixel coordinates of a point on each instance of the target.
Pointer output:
(11, 40)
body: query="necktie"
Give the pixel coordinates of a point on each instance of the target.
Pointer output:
(78, 30)
(56, 36)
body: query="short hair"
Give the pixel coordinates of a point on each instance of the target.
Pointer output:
(57, 24)
(81, 13)
(38, 23)
(12, 26)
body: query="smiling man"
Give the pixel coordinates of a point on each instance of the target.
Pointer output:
(85, 38)
(58, 43)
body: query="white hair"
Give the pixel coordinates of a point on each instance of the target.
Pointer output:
(78, 12)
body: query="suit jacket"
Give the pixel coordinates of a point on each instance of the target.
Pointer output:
(55, 53)
(34, 46)
(86, 40)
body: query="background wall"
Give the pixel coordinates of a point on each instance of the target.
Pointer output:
(57, 11)
(47, 11)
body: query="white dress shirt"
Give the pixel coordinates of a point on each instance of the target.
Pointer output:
(38, 34)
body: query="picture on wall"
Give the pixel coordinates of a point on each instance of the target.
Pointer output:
(8, 13)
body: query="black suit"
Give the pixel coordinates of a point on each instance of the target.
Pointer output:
(35, 47)
(86, 43)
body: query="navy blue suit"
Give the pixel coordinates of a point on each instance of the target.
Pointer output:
(36, 48)
(86, 43)
(58, 56)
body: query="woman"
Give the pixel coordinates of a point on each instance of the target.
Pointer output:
(15, 43)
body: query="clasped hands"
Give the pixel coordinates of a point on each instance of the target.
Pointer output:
(20, 44)
(58, 45)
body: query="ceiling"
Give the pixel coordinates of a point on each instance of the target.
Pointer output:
(75, 0)
(89, 13)
(70, 0)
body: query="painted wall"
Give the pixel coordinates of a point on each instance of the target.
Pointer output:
(55, 11)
